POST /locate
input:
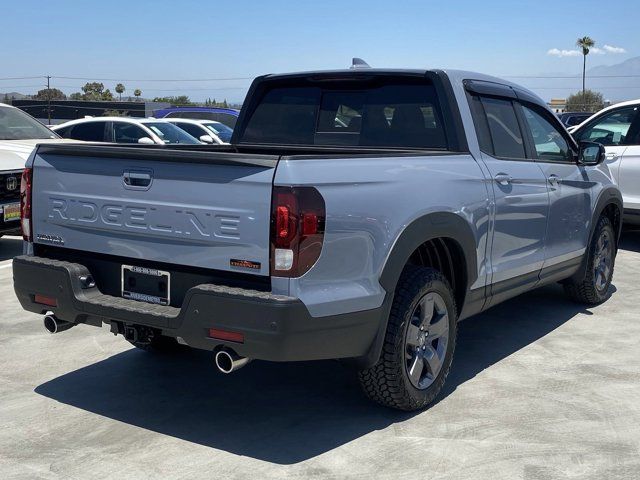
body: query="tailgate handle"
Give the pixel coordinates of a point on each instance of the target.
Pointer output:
(137, 179)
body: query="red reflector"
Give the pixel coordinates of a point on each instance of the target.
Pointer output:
(282, 221)
(226, 335)
(309, 224)
(52, 302)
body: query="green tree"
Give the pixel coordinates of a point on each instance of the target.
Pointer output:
(585, 43)
(120, 90)
(50, 94)
(137, 92)
(225, 104)
(179, 100)
(93, 91)
(7, 100)
(585, 101)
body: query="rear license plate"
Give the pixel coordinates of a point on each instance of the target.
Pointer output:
(146, 284)
(11, 212)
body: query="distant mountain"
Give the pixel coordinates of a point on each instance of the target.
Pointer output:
(628, 67)
(616, 82)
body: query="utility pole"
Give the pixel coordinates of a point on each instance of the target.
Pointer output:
(48, 100)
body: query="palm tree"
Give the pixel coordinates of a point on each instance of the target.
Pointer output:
(137, 92)
(120, 90)
(585, 43)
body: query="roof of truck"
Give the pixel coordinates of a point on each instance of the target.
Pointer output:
(455, 76)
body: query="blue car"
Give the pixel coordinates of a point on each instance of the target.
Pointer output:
(228, 116)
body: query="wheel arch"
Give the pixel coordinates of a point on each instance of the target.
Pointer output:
(441, 226)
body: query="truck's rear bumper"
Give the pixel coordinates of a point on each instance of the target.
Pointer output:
(275, 327)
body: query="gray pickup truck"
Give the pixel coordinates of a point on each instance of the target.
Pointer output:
(357, 214)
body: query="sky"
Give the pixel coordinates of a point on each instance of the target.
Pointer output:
(143, 43)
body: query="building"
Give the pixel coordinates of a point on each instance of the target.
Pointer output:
(60, 111)
(558, 105)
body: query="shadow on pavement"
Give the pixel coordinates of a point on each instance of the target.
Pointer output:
(10, 247)
(283, 413)
(630, 239)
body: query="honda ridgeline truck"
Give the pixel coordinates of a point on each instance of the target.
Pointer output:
(357, 214)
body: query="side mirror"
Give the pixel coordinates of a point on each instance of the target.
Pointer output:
(591, 153)
(146, 141)
(206, 139)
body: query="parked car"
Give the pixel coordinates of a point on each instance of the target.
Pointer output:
(148, 131)
(359, 215)
(570, 119)
(618, 128)
(19, 134)
(206, 131)
(227, 116)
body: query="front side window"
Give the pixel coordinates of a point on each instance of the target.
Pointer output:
(170, 134)
(17, 125)
(221, 130)
(549, 143)
(506, 136)
(612, 128)
(127, 132)
(397, 115)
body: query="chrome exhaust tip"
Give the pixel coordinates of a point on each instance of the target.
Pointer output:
(53, 324)
(229, 361)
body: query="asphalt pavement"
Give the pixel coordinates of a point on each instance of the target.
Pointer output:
(541, 388)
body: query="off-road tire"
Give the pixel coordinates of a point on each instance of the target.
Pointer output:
(584, 290)
(387, 382)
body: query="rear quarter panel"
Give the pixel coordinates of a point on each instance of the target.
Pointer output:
(369, 202)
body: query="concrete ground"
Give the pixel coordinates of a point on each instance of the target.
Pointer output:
(540, 388)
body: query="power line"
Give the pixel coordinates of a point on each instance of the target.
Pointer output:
(154, 79)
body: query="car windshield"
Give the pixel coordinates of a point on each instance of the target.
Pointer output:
(220, 129)
(17, 125)
(170, 134)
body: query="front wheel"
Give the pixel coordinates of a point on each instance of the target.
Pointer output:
(601, 255)
(418, 345)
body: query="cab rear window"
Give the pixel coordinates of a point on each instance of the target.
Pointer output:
(394, 115)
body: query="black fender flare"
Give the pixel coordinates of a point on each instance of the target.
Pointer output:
(609, 195)
(428, 227)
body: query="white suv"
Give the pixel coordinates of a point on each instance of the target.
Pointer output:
(618, 128)
(148, 131)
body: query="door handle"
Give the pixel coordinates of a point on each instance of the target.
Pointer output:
(611, 156)
(503, 178)
(136, 179)
(554, 179)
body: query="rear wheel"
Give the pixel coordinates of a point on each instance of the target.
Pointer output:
(594, 287)
(419, 343)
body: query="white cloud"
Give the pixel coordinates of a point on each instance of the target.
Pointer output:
(612, 49)
(556, 52)
(563, 53)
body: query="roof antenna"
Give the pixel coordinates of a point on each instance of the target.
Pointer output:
(357, 63)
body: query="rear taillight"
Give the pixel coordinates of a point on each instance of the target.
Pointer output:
(25, 204)
(297, 230)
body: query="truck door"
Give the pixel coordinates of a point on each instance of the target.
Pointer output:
(521, 199)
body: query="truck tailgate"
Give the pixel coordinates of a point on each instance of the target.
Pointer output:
(195, 208)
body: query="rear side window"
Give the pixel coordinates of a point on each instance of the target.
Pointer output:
(506, 137)
(89, 132)
(397, 115)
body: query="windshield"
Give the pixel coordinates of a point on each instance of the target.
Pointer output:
(220, 129)
(17, 125)
(170, 134)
